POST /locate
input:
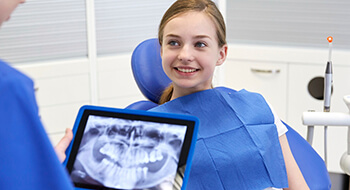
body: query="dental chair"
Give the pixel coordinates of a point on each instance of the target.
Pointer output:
(151, 80)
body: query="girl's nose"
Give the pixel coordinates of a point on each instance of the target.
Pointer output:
(185, 54)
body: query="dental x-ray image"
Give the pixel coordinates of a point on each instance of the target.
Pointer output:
(128, 154)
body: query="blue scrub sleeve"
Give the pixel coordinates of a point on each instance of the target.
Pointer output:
(27, 158)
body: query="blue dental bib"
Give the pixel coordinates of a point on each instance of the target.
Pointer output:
(237, 146)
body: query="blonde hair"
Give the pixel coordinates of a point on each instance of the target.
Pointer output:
(166, 95)
(183, 6)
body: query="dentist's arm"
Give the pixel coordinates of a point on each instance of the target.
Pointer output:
(296, 179)
(62, 146)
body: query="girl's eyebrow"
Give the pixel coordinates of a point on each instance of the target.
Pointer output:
(201, 36)
(172, 35)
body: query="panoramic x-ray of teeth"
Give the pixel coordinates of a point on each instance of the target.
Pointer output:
(127, 154)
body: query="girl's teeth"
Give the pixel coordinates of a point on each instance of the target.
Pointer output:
(186, 70)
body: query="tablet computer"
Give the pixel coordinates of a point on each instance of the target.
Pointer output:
(118, 149)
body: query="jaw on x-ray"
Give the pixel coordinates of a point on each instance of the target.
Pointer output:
(126, 154)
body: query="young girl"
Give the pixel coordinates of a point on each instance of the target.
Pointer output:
(241, 142)
(238, 145)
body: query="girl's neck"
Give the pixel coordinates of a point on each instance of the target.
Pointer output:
(179, 92)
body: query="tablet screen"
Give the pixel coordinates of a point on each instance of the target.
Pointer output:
(129, 151)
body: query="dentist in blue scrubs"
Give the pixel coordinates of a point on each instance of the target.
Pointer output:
(27, 158)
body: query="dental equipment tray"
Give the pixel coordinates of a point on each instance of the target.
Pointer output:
(130, 149)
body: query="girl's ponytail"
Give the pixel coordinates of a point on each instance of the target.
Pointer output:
(167, 93)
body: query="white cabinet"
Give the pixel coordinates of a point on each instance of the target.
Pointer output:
(115, 81)
(269, 79)
(64, 86)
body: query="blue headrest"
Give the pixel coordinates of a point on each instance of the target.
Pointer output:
(147, 69)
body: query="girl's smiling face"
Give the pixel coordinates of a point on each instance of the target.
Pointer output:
(190, 52)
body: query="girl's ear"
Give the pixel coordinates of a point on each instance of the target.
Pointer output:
(222, 55)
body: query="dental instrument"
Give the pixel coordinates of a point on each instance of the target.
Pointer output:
(328, 80)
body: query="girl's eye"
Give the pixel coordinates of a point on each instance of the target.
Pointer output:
(200, 44)
(173, 43)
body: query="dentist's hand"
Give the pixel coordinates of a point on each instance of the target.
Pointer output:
(62, 146)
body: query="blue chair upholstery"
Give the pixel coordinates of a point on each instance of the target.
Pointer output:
(145, 63)
(310, 163)
(150, 78)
